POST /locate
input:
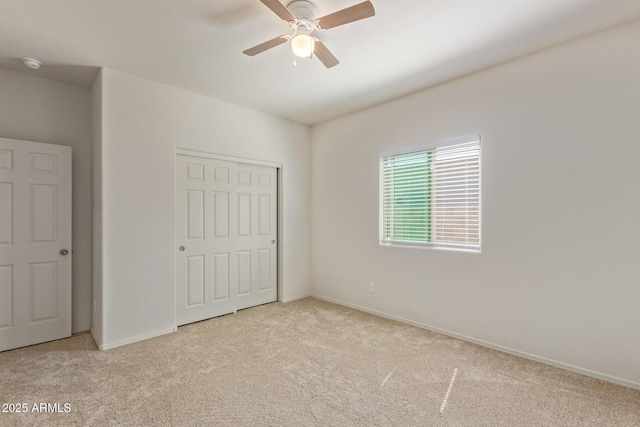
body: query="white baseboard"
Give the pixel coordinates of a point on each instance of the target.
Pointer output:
(295, 298)
(131, 340)
(587, 372)
(93, 335)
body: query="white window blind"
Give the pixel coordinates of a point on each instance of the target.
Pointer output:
(431, 197)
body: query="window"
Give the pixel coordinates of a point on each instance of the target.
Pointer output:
(431, 196)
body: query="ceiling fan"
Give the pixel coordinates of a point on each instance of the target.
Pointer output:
(302, 18)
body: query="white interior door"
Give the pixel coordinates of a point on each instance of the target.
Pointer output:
(35, 232)
(226, 237)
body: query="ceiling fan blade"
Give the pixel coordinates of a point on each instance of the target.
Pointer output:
(279, 9)
(324, 55)
(265, 46)
(345, 16)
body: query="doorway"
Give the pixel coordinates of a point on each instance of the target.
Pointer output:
(35, 243)
(226, 236)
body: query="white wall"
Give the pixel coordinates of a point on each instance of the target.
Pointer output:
(142, 125)
(559, 276)
(97, 303)
(40, 110)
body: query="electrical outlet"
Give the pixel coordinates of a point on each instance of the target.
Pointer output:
(372, 287)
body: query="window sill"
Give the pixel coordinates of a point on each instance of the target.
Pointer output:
(407, 245)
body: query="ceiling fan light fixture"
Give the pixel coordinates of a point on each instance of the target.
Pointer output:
(302, 45)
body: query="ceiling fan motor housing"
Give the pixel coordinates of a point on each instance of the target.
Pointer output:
(305, 13)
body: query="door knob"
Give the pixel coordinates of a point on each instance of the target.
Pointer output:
(181, 248)
(64, 251)
(273, 242)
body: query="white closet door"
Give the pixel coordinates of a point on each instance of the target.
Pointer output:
(35, 243)
(226, 248)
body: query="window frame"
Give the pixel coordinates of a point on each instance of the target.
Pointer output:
(428, 147)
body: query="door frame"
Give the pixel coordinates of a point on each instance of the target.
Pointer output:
(279, 195)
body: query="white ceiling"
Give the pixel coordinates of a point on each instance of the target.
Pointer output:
(197, 45)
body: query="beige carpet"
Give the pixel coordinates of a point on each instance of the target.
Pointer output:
(305, 363)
